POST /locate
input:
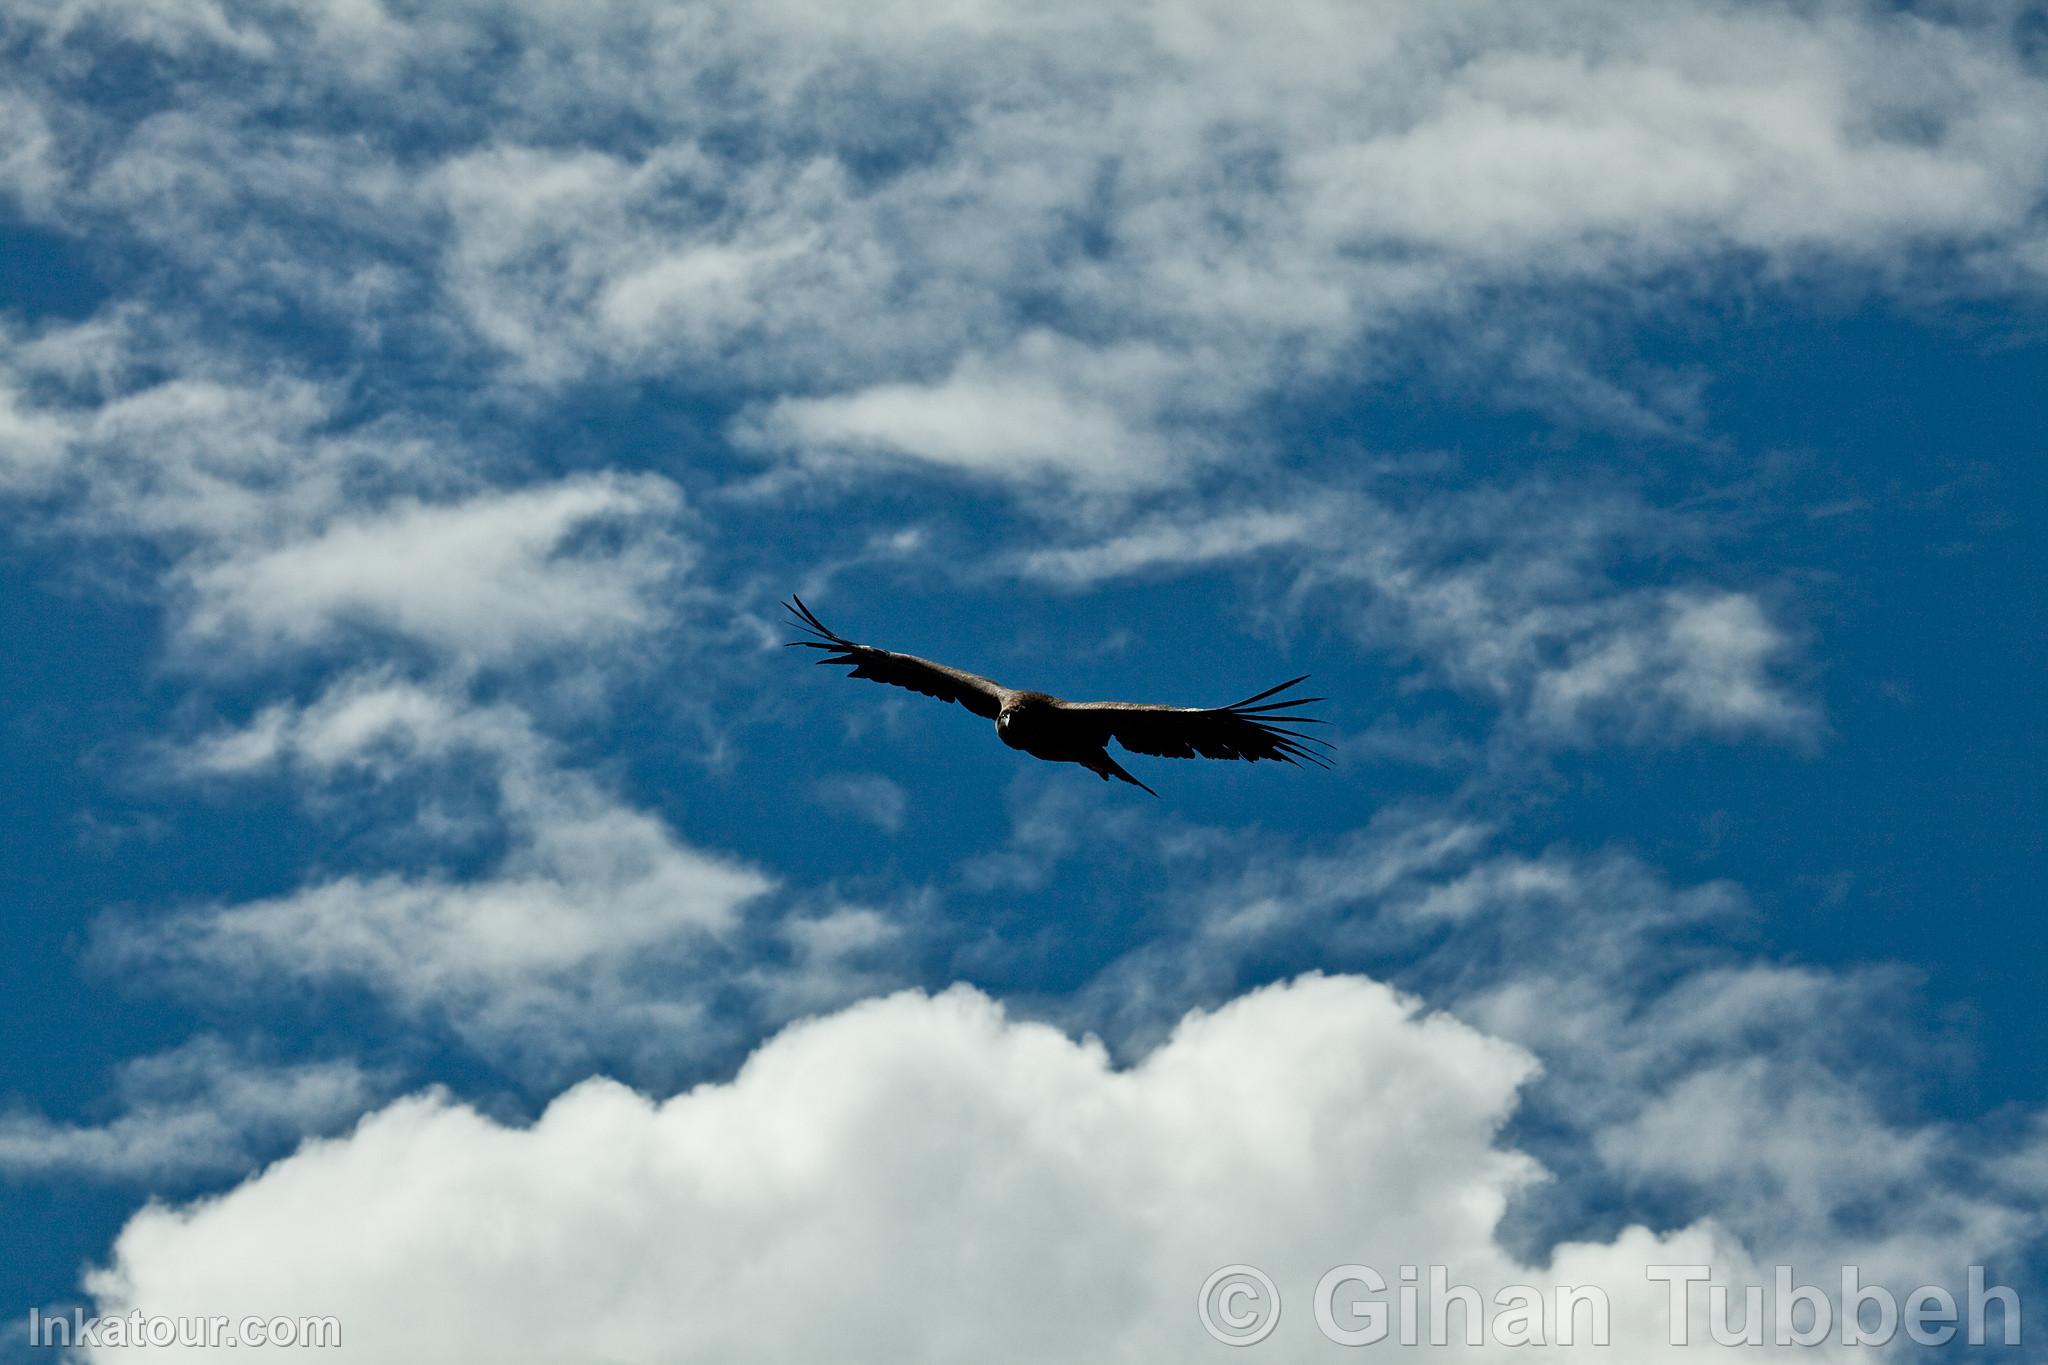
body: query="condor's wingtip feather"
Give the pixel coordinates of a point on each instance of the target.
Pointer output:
(807, 618)
(1279, 705)
(1291, 748)
(1261, 696)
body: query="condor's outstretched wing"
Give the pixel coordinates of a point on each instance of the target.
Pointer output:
(1240, 730)
(971, 690)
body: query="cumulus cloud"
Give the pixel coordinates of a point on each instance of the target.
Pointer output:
(200, 1109)
(1679, 1074)
(927, 1177)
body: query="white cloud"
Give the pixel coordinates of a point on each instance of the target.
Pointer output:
(593, 929)
(1057, 242)
(199, 1109)
(1173, 544)
(488, 577)
(287, 522)
(177, 26)
(868, 797)
(593, 934)
(1046, 410)
(928, 1179)
(829, 959)
(1046, 826)
(155, 435)
(1678, 1074)
(27, 173)
(1514, 593)
(369, 721)
(173, 455)
(32, 443)
(1060, 248)
(1704, 659)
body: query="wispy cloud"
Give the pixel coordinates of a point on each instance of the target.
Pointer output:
(868, 797)
(1668, 1053)
(895, 248)
(200, 1109)
(286, 521)
(1517, 594)
(579, 937)
(491, 576)
(1168, 545)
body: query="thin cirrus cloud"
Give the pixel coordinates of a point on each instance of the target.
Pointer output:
(200, 1109)
(861, 232)
(597, 928)
(598, 933)
(151, 434)
(1081, 284)
(868, 797)
(1514, 594)
(289, 522)
(1676, 1073)
(483, 578)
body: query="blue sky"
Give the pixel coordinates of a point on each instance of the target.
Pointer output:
(432, 897)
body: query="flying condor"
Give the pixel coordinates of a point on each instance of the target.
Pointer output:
(1061, 731)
